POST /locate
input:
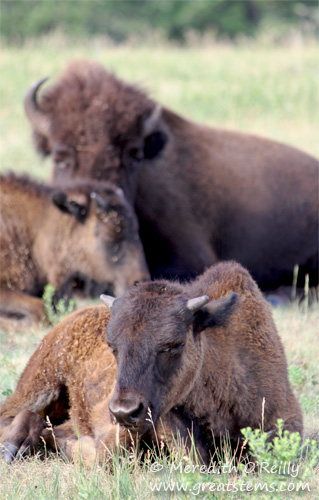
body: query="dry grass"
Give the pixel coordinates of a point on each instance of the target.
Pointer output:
(266, 90)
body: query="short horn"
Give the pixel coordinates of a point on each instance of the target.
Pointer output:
(194, 305)
(107, 300)
(151, 122)
(38, 119)
(99, 200)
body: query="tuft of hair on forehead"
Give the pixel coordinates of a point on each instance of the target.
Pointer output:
(156, 289)
(87, 85)
(149, 298)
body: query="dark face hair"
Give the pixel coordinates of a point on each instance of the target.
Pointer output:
(156, 341)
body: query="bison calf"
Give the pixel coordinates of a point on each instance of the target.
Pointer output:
(84, 233)
(203, 357)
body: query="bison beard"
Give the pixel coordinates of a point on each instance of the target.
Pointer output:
(203, 357)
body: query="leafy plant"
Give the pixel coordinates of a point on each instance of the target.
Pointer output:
(7, 392)
(286, 447)
(56, 310)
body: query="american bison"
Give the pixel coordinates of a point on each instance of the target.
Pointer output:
(85, 233)
(202, 357)
(201, 194)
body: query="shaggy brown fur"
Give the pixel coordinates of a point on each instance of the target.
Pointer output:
(208, 371)
(201, 194)
(73, 239)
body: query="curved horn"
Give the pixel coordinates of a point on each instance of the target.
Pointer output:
(107, 300)
(99, 200)
(194, 305)
(38, 119)
(151, 122)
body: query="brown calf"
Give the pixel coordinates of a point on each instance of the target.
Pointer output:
(84, 233)
(204, 357)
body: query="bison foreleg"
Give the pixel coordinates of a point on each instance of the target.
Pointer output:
(176, 431)
(23, 435)
(81, 449)
(20, 309)
(106, 438)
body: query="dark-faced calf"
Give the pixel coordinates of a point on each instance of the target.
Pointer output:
(203, 357)
(85, 232)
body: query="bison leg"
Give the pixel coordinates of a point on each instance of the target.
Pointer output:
(39, 391)
(23, 435)
(81, 449)
(19, 309)
(98, 445)
(175, 430)
(55, 436)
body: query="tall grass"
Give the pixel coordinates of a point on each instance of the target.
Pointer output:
(265, 90)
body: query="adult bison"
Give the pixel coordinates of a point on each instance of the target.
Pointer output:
(85, 233)
(201, 194)
(203, 357)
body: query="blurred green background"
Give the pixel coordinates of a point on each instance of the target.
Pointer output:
(249, 65)
(122, 19)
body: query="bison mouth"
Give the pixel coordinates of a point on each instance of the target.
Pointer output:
(87, 287)
(140, 422)
(139, 431)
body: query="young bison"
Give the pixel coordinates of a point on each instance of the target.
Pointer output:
(201, 194)
(86, 233)
(203, 357)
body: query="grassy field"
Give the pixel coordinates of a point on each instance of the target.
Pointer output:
(266, 90)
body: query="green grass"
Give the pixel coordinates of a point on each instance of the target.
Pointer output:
(51, 477)
(266, 90)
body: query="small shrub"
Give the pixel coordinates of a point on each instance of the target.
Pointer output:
(56, 310)
(286, 447)
(7, 392)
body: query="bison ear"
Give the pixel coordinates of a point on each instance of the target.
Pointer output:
(154, 138)
(215, 313)
(153, 144)
(70, 207)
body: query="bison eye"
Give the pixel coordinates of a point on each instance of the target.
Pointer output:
(174, 349)
(112, 348)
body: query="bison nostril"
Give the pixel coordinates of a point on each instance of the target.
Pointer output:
(136, 413)
(127, 415)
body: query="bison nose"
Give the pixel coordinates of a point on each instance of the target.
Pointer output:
(129, 413)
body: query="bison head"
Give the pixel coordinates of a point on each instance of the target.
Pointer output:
(102, 244)
(95, 125)
(156, 335)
